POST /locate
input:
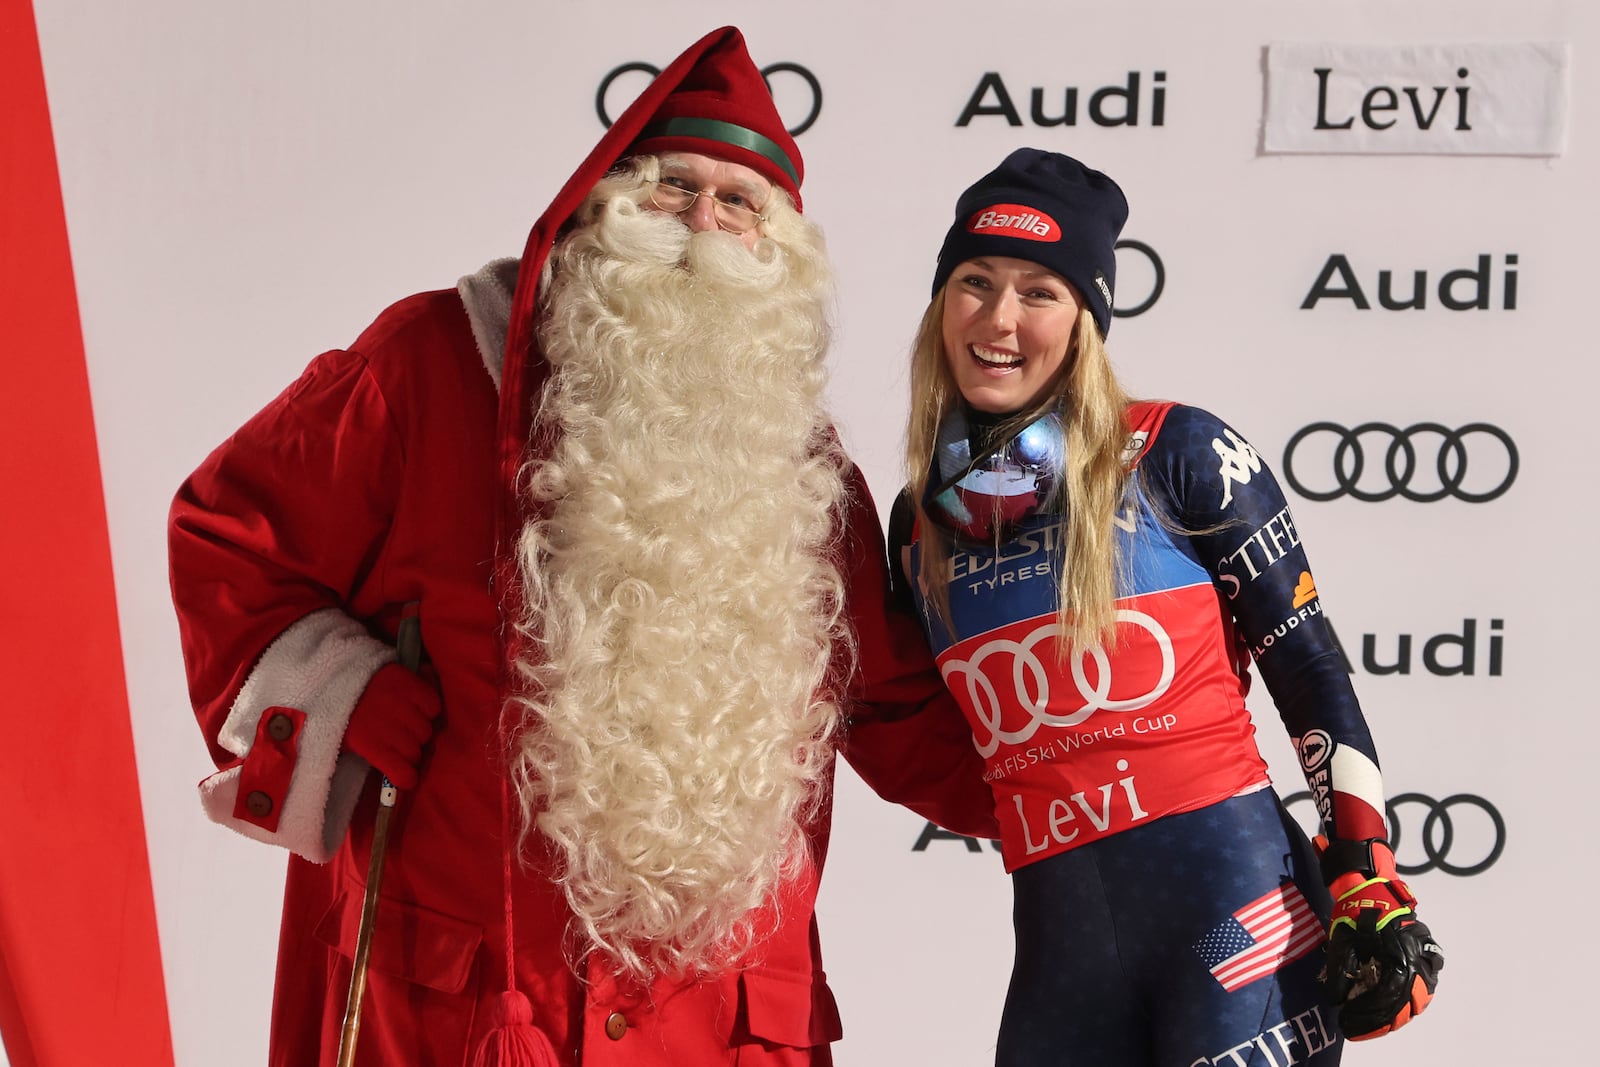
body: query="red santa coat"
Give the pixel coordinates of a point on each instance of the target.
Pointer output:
(369, 485)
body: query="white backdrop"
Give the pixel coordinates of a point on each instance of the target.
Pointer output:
(247, 184)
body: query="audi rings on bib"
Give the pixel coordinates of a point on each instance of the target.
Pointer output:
(1028, 671)
(1400, 462)
(1437, 833)
(810, 86)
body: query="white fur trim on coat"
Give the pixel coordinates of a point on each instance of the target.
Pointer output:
(321, 666)
(487, 296)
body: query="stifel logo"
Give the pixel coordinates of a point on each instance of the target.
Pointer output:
(1015, 220)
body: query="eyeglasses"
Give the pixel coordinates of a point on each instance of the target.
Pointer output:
(735, 218)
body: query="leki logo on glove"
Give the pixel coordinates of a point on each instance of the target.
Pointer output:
(1014, 220)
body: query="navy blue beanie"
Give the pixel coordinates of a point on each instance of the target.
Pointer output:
(1047, 208)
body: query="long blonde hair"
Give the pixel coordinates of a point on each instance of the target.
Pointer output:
(1092, 406)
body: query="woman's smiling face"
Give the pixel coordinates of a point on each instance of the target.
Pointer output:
(1007, 329)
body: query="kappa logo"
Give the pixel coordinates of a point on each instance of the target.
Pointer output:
(1014, 220)
(1239, 461)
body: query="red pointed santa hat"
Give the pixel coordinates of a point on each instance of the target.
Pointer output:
(712, 100)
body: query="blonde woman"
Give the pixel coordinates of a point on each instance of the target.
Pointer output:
(1095, 576)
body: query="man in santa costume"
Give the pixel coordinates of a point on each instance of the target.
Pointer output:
(652, 593)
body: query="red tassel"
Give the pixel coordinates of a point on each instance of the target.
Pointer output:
(514, 1041)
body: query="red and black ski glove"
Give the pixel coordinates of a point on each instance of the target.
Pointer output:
(393, 721)
(1383, 964)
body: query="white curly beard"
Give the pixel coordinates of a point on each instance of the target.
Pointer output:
(681, 602)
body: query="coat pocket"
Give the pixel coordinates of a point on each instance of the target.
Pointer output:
(785, 1008)
(409, 941)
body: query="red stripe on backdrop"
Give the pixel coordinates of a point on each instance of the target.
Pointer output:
(80, 962)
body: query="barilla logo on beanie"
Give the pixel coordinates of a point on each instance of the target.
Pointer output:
(1014, 220)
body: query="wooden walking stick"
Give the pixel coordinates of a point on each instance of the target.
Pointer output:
(408, 646)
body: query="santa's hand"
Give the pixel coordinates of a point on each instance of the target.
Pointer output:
(393, 721)
(1383, 964)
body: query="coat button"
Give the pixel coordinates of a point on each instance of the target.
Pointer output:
(258, 804)
(616, 1026)
(280, 727)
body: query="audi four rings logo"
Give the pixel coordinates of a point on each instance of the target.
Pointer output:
(1468, 849)
(798, 92)
(1158, 278)
(1030, 682)
(1426, 461)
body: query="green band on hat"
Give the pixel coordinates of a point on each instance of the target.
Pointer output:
(727, 133)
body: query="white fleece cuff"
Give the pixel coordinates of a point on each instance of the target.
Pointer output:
(321, 666)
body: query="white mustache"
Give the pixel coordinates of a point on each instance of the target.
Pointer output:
(717, 258)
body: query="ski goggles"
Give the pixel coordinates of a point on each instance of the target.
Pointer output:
(982, 493)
